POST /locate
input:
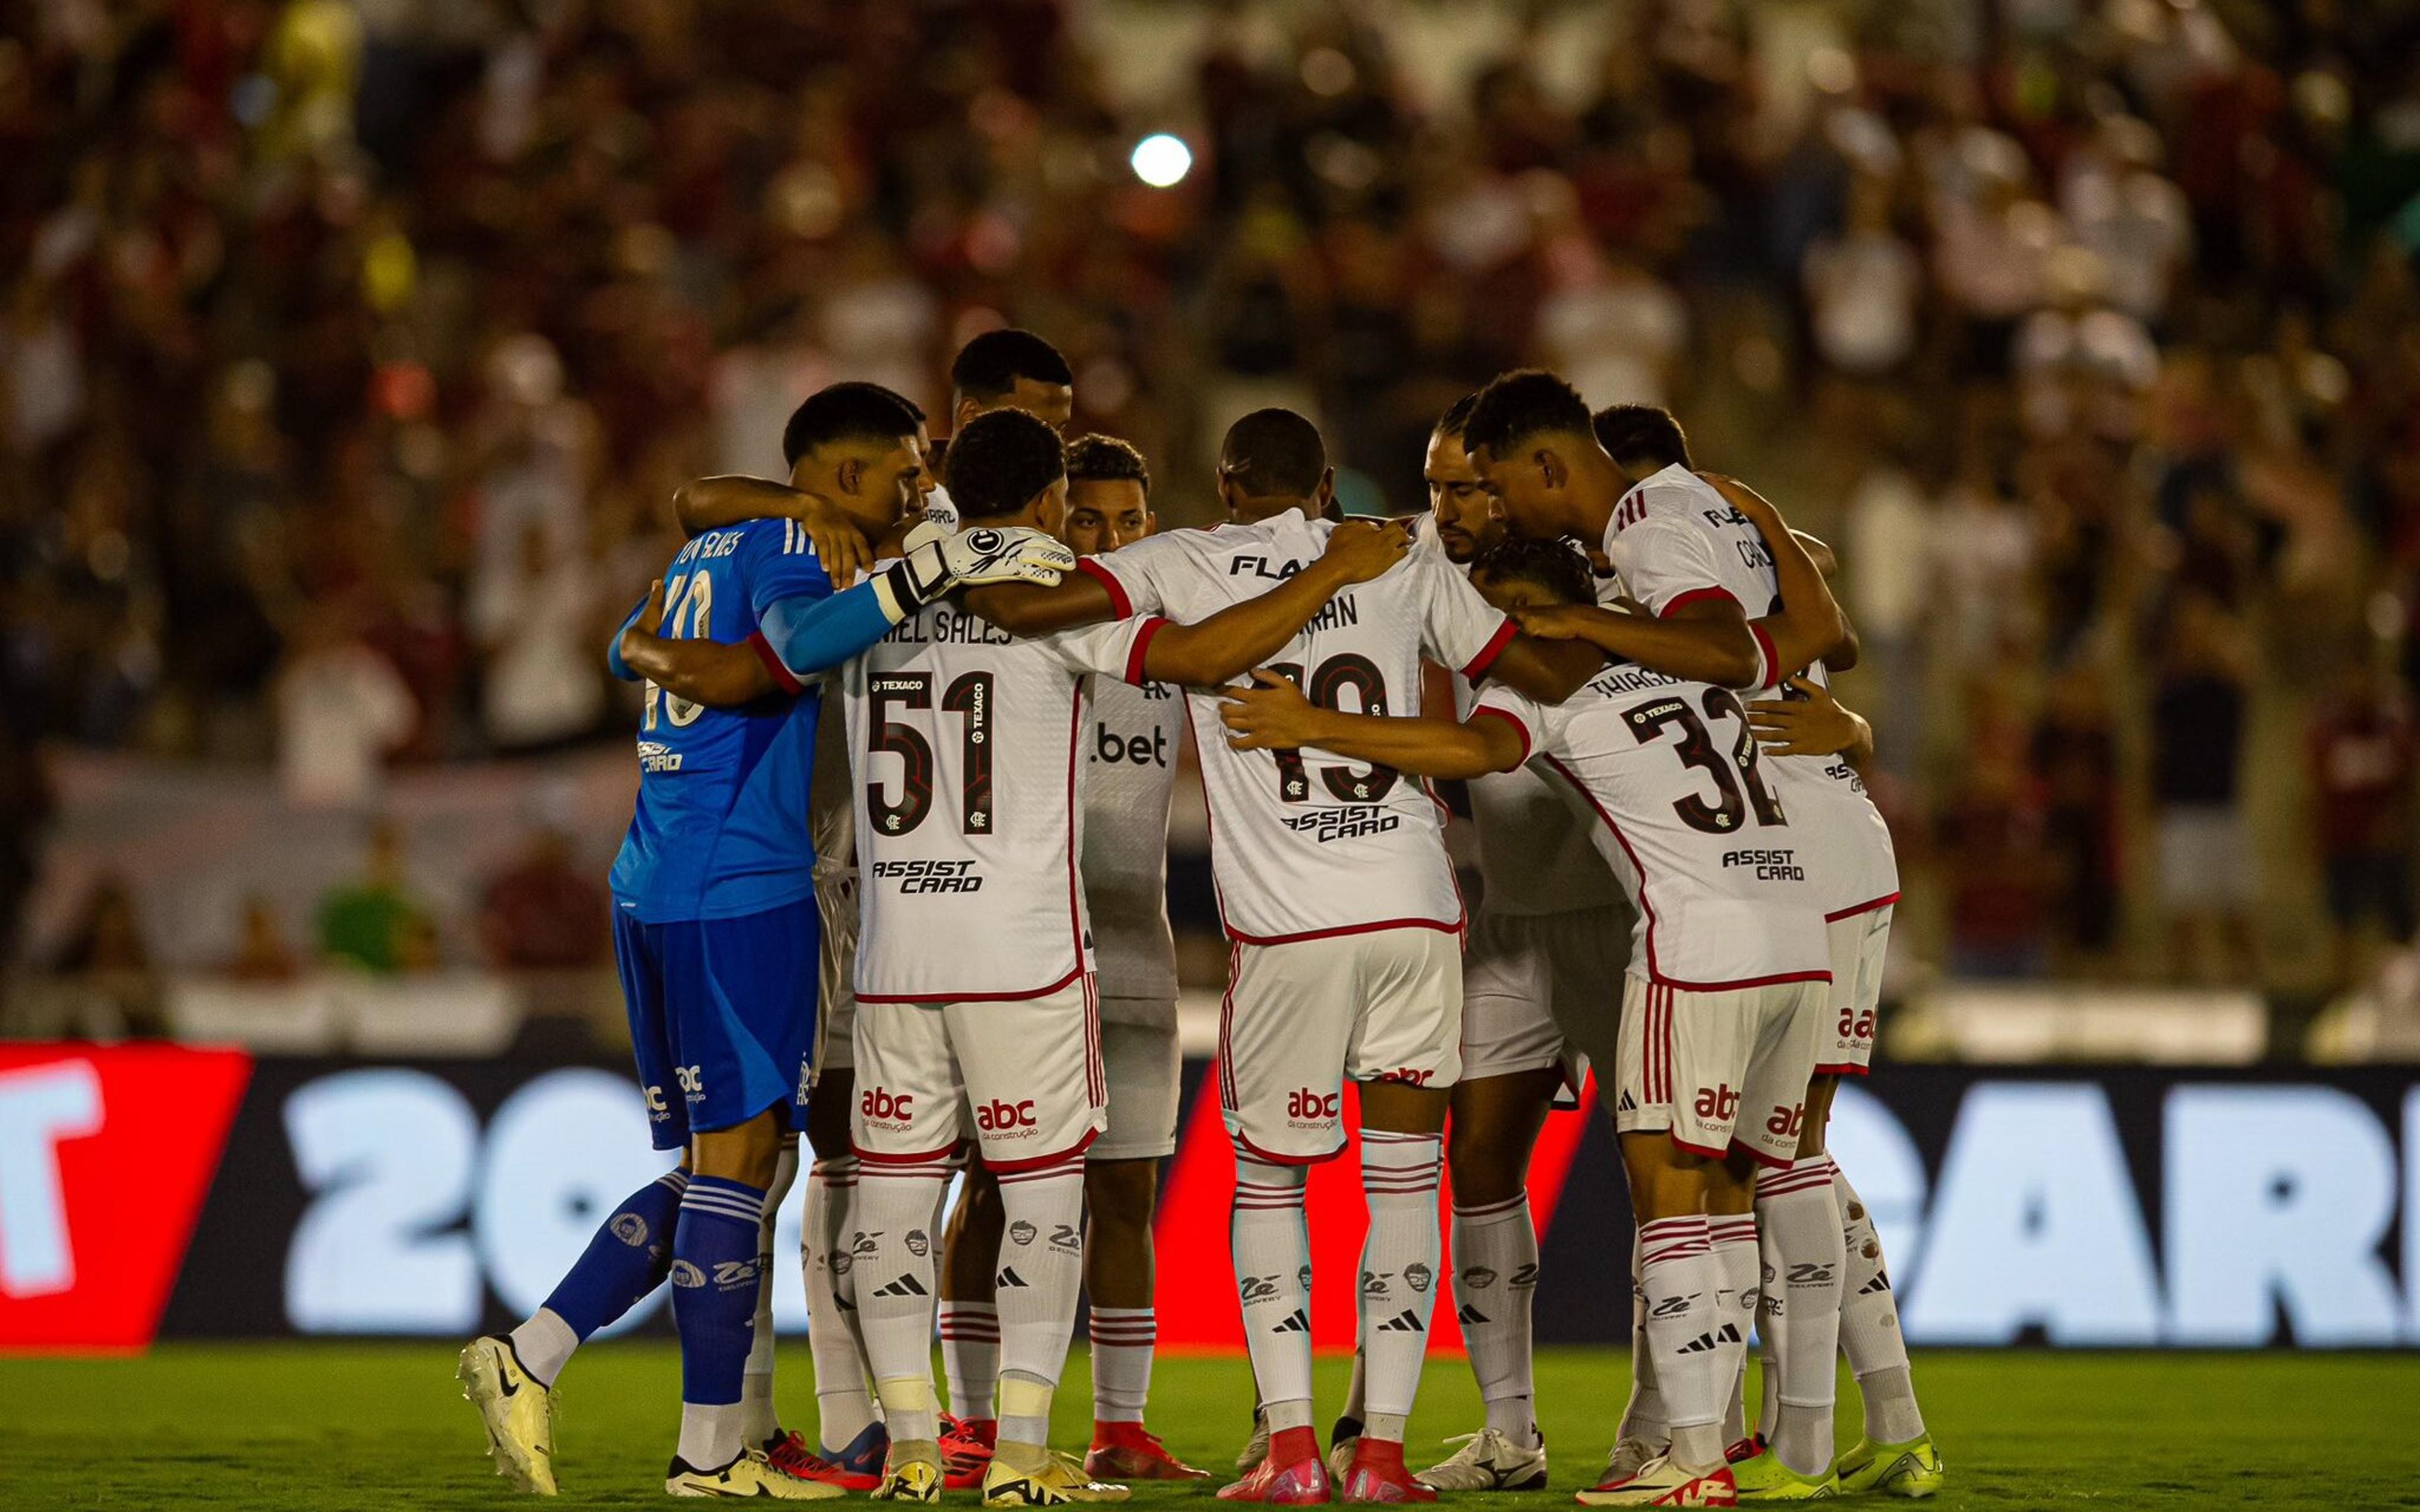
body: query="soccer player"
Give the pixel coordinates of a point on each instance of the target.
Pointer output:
(970, 838)
(1335, 887)
(1005, 369)
(714, 934)
(1549, 939)
(1695, 553)
(1725, 990)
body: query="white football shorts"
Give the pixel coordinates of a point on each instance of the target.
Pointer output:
(1021, 1077)
(1719, 1067)
(836, 1003)
(1303, 1018)
(1139, 1049)
(1859, 944)
(1542, 990)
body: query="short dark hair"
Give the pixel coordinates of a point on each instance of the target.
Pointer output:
(1000, 461)
(1456, 419)
(1555, 566)
(1634, 435)
(988, 366)
(1106, 459)
(1521, 404)
(1273, 454)
(848, 412)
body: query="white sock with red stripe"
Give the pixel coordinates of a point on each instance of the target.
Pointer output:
(844, 1407)
(1642, 1421)
(1732, 1236)
(1272, 1253)
(1869, 1335)
(1682, 1279)
(1122, 1341)
(1041, 1268)
(895, 1287)
(1399, 1266)
(1799, 1220)
(1495, 1272)
(970, 1356)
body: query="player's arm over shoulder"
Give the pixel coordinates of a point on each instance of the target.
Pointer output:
(1100, 588)
(1272, 715)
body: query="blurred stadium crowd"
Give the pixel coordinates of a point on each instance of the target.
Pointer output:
(350, 352)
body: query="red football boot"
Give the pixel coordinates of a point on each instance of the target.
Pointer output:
(1377, 1474)
(1291, 1475)
(966, 1451)
(1129, 1451)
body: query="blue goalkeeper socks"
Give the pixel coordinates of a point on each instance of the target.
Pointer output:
(627, 1259)
(714, 1307)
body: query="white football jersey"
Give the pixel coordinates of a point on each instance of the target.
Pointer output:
(1674, 538)
(1535, 854)
(1305, 843)
(831, 806)
(1726, 894)
(1132, 736)
(965, 740)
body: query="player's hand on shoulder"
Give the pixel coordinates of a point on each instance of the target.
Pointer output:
(1365, 548)
(1811, 723)
(1740, 496)
(1268, 715)
(839, 546)
(986, 554)
(1549, 622)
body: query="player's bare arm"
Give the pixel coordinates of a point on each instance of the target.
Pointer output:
(1700, 640)
(1026, 609)
(1810, 626)
(1272, 715)
(1812, 723)
(1241, 636)
(717, 502)
(1827, 560)
(716, 673)
(1547, 670)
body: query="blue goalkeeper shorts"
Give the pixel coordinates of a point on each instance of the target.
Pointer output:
(722, 1016)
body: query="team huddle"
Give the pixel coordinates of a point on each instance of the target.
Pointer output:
(927, 931)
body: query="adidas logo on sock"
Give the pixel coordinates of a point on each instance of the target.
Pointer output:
(1008, 1277)
(1699, 1344)
(1298, 1322)
(1881, 1283)
(905, 1285)
(1470, 1316)
(1728, 1334)
(1406, 1322)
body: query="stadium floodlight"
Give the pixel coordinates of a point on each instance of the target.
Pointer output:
(1162, 160)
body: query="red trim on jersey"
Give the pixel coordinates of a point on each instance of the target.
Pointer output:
(947, 1153)
(1655, 973)
(1843, 1071)
(1075, 889)
(1488, 653)
(974, 997)
(1008, 1169)
(1771, 672)
(1226, 1032)
(1135, 658)
(1341, 930)
(1690, 598)
(1884, 901)
(1118, 599)
(1771, 1162)
(783, 677)
(1510, 718)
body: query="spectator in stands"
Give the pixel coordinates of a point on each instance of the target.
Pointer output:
(2209, 880)
(106, 958)
(2362, 767)
(261, 951)
(374, 923)
(341, 708)
(541, 912)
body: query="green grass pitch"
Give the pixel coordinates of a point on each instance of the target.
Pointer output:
(350, 1426)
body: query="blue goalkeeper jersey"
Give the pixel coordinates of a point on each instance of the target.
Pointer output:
(720, 827)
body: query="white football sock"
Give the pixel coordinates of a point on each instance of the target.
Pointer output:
(1399, 1269)
(970, 1356)
(1807, 1258)
(1642, 1421)
(1272, 1252)
(762, 1423)
(1123, 1339)
(1034, 1289)
(1682, 1279)
(895, 1294)
(843, 1406)
(1732, 1238)
(1869, 1332)
(543, 1344)
(1495, 1268)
